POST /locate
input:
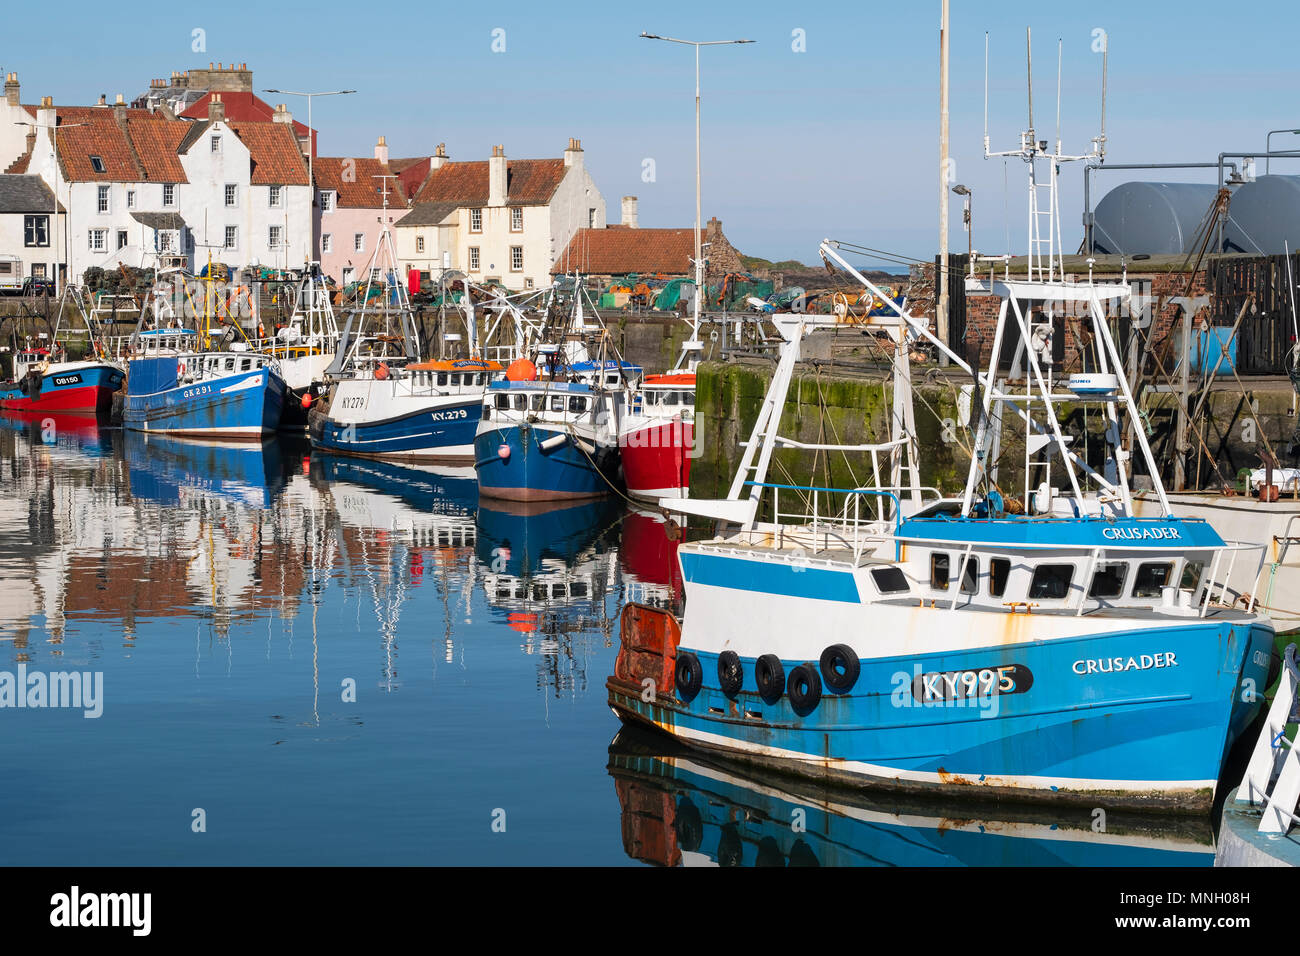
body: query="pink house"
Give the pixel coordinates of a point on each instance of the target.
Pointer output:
(350, 210)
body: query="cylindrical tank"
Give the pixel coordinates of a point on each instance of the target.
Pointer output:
(1151, 218)
(1264, 217)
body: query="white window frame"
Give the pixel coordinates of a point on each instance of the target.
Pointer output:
(169, 194)
(104, 199)
(327, 242)
(419, 244)
(215, 143)
(516, 255)
(231, 238)
(130, 199)
(275, 237)
(97, 240)
(476, 220)
(358, 242)
(123, 239)
(231, 196)
(475, 259)
(516, 218)
(327, 200)
(275, 197)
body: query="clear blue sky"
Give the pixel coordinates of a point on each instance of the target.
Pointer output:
(840, 140)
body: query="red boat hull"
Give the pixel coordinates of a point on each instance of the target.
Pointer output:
(657, 459)
(91, 398)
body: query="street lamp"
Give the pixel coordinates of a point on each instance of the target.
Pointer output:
(965, 193)
(311, 153)
(699, 255)
(54, 239)
(1268, 148)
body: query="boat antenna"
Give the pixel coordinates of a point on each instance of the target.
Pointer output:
(986, 94)
(1058, 95)
(1029, 68)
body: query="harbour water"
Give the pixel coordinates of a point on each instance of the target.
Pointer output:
(307, 659)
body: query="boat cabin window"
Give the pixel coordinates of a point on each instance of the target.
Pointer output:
(577, 404)
(557, 403)
(1150, 578)
(970, 576)
(1192, 571)
(539, 402)
(889, 580)
(501, 401)
(1108, 580)
(230, 365)
(999, 571)
(1051, 582)
(611, 379)
(442, 378)
(939, 571)
(245, 365)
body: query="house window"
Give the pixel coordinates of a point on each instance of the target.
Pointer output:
(473, 259)
(516, 219)
(121, 239)
(273, 237)
(359, 242)
(476, 220)
(232, 237)
(327, 243)
(167, 240)
(130, 199)
(419, 243)
(528, 283)
(232, 195)
(98, 239)
(97, 164)
(591, 218)
(36, 230)
(216, 144)
(349, 275)
(275, 196)
(516, 258)
(169, 194)
(327, 200)
(103, 199)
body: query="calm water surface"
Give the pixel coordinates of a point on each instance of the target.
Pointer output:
(348, 662)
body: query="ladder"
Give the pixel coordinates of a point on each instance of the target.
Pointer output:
(1273, 775)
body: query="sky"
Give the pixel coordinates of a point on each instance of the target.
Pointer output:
(826, 126)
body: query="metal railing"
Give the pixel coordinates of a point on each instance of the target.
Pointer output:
(1272, 777)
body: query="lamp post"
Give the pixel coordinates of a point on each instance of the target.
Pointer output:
(311, 154)
(965, 193)
(699, 253)
(1268, 147)
(54, 225)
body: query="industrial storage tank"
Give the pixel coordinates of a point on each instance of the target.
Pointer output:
(1264, 217)
(1150, 218)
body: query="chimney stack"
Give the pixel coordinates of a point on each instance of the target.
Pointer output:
(12, 89)
(629, 211)
(573, 155)
(381, 150)
(119, 109)
(216, 109)
(497, 177)
(282, 114)
(439, 157)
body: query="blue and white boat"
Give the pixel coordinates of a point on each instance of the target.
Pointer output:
(175, 388)
(1047, 644)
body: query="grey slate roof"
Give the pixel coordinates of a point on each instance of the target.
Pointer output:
(25, 193)
(428, 213)
(159, 220)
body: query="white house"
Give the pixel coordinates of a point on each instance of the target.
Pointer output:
(29, 247)
(499, 220)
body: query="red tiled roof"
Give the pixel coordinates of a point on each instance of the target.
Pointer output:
(360, 189)
(86, 131)
(411, 173)
(19, 165)
(619, 251)
(156, 141)
(277, 160)
(529, 182)
(240, 107)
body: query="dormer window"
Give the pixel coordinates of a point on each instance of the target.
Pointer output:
(97, 164)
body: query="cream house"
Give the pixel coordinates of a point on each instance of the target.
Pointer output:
(501, 220)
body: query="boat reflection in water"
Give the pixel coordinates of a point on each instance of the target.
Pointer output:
(548, 569)
(59, 429)
(648, 555)
(178, 471)
(679, 809)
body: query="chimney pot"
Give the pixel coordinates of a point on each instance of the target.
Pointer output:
(629, 218)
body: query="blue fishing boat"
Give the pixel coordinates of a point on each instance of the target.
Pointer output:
(174, 388)
(1040, 642)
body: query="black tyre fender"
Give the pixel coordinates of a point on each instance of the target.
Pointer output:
(731, 673)
(688, 825)
(840, 668)
(769, 675)
(804, 689)
(688, 675)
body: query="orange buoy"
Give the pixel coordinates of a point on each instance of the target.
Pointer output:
(306, 399)
(521, 370)
(381, 371)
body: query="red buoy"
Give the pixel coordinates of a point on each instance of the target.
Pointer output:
(306, 399)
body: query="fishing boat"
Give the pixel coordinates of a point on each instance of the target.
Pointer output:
(550, 429)
(305, 347)
(182, 382)
(1049, 645)
(45, 380)
(657, 437)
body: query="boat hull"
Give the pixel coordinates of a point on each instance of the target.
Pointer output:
(85, 388)
(440, 432)
(656, 457)
(239, 407)
(527, 471)
(1090, 713)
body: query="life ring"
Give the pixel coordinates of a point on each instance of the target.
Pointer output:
(769, 675)
(731, 675)
(804, 689)
(688, 675)
(840, 668)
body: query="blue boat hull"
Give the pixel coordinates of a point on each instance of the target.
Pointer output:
(242, 407)
(1149, 735)
(528, 472)
(444, 434)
